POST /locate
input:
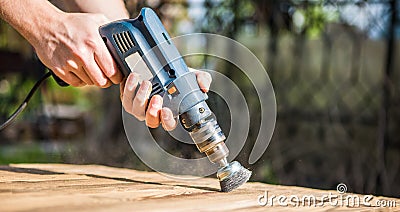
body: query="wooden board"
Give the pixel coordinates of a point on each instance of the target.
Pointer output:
(63, 187)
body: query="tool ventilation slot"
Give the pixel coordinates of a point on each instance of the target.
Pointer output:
(156, 89)
(124, 41)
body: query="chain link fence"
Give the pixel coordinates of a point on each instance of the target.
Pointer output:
(335, 74)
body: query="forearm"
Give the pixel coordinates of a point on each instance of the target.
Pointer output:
(30, 18)
(112, 9)
(67, 43)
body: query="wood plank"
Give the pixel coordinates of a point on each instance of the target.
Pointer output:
(65, 187)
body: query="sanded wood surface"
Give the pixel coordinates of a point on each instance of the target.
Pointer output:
(63, 187)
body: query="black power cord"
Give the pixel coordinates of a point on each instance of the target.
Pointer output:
(23, 105)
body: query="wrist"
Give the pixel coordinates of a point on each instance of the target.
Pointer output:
(32, 19)
(43, 27)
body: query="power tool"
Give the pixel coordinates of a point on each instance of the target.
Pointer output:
(142, 44)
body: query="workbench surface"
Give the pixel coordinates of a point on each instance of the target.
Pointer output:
(64, 187)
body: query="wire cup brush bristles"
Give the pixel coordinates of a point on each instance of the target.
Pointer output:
(232, 176)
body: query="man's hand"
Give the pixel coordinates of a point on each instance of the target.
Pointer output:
(75, 52)
(68, 43)
(155, 114)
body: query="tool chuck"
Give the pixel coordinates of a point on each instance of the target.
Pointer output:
(209, 139)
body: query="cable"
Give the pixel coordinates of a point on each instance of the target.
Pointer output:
(25, 102)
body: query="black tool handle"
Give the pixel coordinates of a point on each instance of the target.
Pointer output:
(59, 81)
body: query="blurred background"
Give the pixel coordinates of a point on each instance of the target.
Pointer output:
(334, 65)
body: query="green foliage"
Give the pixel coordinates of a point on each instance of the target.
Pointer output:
(314, 18)
(28, 153)
(265, 173)
(81, 97)
(14, 89)
(223, 17)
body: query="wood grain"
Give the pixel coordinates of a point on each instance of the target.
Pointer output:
(64, 187)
